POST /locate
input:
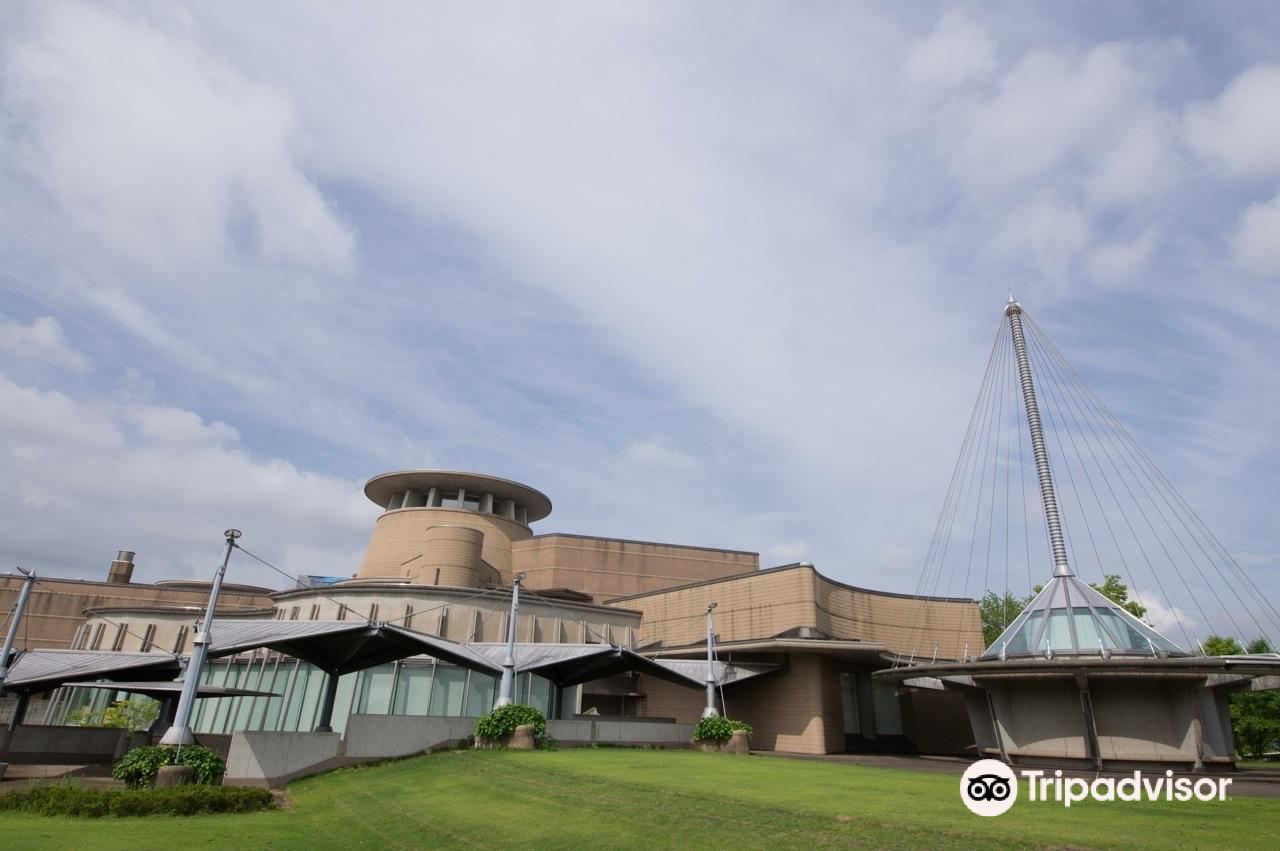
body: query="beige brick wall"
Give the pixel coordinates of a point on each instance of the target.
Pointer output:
(766, 604)
(605, 567)
(399, 538)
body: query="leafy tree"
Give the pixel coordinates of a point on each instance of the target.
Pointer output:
(1221, 645)
(1255, 718)
(1259, 645)
(1117, 592)
(998, 611)
(133, 714)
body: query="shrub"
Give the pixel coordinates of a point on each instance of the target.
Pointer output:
(717, 728)
(139, 766)
(70, 800)
(502, 722)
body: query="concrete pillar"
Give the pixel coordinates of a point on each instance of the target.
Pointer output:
(413, 499)
(433, 498)
(121, 570)
(522, 515)
(507, 508)
(486, 503)
(19, 711)
(394, 502)
(325, 724)
(462, 497)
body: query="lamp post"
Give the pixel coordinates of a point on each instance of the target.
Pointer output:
(180, 733)
(710, 710)
(506, 689)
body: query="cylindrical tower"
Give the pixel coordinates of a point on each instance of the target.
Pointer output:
(419, 534)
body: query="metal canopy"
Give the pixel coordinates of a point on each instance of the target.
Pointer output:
(41, 670)
(571, 664)
(170, 688)
(1071, 619)
(340, 647)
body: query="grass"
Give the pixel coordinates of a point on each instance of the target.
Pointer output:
(654, 799)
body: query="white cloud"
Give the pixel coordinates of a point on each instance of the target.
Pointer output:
(1122, 262)
(90, 477)
(41, 341)
(1052, 231)
(1255, 244)
(1239, 131)
(1170, 621)
(158, 146)
(785, 552)
(956, 52)
(651, 454)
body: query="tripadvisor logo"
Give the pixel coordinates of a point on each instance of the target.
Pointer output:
(989, 788)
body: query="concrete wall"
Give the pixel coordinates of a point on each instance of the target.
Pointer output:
(401, 735)
(272, 759)
(582, 731)
(67, 745)
(770, 602)
(607, 567)
(399, 540)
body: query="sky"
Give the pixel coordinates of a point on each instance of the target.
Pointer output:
(722, 274)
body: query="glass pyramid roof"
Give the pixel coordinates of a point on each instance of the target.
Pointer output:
(1071, 619)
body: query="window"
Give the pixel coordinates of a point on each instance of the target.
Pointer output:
(118, 642)
(408, 615)
(373, 611)
(181, 640)
(315, 612)
(148, 637)
(96, 643)
(293, 613)
(342, 612)
(77, 643)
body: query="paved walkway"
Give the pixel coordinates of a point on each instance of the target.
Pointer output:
(1246, 782)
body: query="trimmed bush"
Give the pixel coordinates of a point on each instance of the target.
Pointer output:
(717, 728)
(139, 766)
(501, 724)
(71, 800)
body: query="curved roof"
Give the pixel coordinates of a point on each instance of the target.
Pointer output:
(380, 488)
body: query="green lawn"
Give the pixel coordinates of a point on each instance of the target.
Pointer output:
(665, 799)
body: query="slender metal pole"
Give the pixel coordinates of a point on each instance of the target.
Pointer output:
(1048, 495)
(506, 689)
(180, 733)
(710, 709)
(19, 608)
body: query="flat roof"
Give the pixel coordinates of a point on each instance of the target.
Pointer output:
(380, 488)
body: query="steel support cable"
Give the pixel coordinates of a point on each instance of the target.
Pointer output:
(940, 541)
(1169, 558)
(1167, 490)
(1178, 507)
(1142, 549)
(1057, 394)
(1173, 534)
(1008, 469)
(998, 434)
(977, 478)
(942, 536)
(1078, 414)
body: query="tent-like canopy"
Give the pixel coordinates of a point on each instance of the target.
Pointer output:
(41, 670)
(570, 664)
(1069, 618)
(340, 647)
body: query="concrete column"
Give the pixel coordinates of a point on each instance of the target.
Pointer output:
(433, 498)
(413, 499)
(326, 703)
(394, 502)
(486, 503)
(522, 515)
(507, 508)
(19, 711)
(462, 497)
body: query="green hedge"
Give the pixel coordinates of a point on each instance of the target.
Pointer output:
(139, 766)
(717, 728)
(70, 800)
(502, 722)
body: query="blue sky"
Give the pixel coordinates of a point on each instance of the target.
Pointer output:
(719, 274)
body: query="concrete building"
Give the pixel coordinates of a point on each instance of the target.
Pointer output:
(441, 560)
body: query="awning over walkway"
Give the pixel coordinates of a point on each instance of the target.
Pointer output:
(341, 646)
(41, 670)
(571, 664)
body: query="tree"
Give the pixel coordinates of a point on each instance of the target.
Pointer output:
(1221, 645)
(1255, 719)
(1259, 645)
(998, 611)
(1117, 592)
